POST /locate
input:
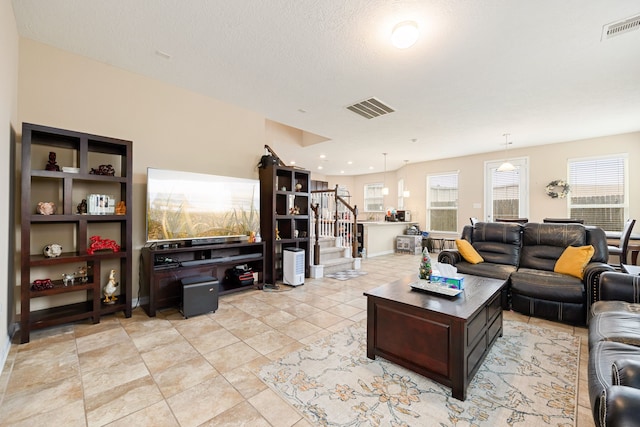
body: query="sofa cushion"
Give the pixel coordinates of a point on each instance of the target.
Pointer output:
(543, 244)
(573, 260)
(486, 269)
(497, 242)
(616, 326)
(607, 306)
(468, 253)
(547, 285)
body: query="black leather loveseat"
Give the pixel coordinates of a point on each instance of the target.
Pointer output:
(614, 351)
(525, 255)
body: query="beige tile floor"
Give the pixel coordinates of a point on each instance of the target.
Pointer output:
(168, 371)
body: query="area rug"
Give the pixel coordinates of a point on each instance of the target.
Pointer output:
(529, 378)
(345, 275)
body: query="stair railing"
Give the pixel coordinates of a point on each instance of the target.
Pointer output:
(333, 217)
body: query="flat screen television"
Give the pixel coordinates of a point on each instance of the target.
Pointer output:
(193, 207)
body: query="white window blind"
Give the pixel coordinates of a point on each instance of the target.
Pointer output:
(506, 194)
(373, 199)
(598, 191)
(442, 202)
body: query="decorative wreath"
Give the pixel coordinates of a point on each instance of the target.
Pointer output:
(557, 189)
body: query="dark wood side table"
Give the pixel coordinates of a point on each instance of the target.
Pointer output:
(442, 338)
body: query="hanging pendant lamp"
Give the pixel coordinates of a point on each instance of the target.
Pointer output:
(507, 166)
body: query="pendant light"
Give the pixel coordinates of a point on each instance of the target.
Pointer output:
(506, 166)
(385, 189)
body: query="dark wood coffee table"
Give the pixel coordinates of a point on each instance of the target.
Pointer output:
(443, 338)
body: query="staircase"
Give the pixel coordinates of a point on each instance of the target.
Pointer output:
(333, 259)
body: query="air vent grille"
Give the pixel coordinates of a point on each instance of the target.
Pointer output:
(370, 108)
(621, 27)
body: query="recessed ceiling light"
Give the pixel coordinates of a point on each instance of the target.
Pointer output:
(404, 34)
(319, 167)
(322, 156)
(370, 168)
(293, 162)
(349, 162)
(341, 171)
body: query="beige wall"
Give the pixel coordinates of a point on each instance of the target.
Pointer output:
(546, 163)
(8, 122)
(171, 128)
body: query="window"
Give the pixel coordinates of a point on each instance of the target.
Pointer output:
(373, 199)
(442, 202)
(599, 191)
(401, 194)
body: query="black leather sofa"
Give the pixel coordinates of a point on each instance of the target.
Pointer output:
(614, 351)
(525, 255)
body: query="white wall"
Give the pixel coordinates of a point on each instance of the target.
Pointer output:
(8, 123)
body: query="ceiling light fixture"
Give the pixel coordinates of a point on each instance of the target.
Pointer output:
(404, 34)
(385, 189)
(506, 166)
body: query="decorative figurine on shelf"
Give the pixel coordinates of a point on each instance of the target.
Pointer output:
(110, 289)
(103, 170)
(298, 187)
(277, 234)
(52, 165)
(121, 209)
(68, 278)
(425, 265)
(98, 243)
(46, 208)
(81, 274)
(52, 250)
(82, 207)
(294, 210)
(252, 237)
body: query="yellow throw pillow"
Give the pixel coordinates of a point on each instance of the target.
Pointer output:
(468, 252)
(573, 260)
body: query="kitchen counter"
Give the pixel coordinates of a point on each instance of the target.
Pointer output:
(379, 237)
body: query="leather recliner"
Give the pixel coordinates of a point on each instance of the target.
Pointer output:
(525, 255)
(614, 351)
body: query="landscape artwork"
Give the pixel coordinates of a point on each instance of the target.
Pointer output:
(187, 205)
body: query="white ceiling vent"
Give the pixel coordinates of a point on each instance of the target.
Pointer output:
(371, 108)
(620, 27)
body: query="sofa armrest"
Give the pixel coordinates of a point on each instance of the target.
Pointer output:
(449, 257)
(626, 372)
(619, 407)
(591, 280)
(615, 286)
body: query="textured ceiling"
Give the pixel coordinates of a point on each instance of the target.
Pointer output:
(536, 69)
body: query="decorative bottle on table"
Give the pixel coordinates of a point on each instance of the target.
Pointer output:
(425, 265)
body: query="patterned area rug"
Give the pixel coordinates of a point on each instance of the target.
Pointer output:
(529, 378)
(346, 275)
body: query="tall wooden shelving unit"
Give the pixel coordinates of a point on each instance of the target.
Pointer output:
(83, 299)
(284, 208)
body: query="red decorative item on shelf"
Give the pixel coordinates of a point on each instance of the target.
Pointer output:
(41, 284)
(98, 243)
